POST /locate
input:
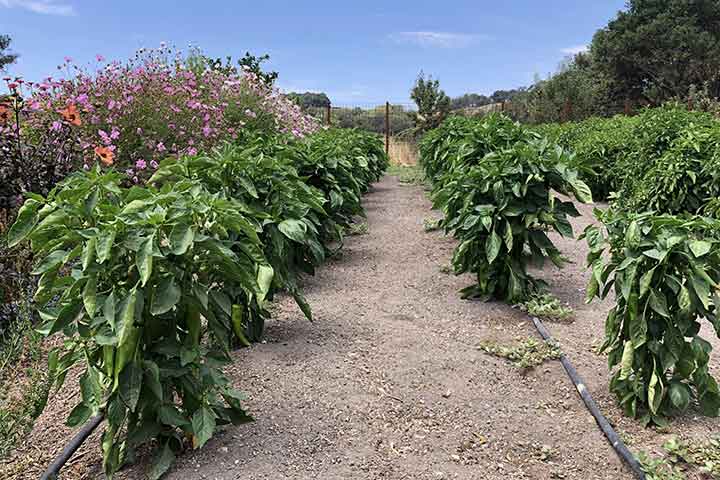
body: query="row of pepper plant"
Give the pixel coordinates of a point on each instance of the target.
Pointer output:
(656, 251)
(152, 283)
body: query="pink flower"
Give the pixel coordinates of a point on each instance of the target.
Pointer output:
(99, 58)
(160, 147)
(154, 164)
(140, 164)
(56, 126)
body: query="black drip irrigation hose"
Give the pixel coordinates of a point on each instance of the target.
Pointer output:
(602, 422)
(52, 471)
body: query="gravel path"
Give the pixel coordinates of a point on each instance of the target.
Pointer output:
(388, 382)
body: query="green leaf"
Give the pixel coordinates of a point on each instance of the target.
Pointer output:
(169, 415)
(166, 296)
(582, 191)
(264, 278)
(203, 426)
(658, 302)
(162, 462)
(293, 229)
(105, 242)
(679, 395)
(90, 295)
(627, 360)
(632, 235)
(700, 248)
(492, 247)
(181, 237)
(144, 259)
(131, 379)
(26, 220)
(51, 262)
(79, 415)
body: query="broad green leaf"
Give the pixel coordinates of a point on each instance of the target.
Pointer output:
(52, 262)
(679, 395)
(26, 220)
(627, 360)
(90, 295)
(632, 235)
(165, 297)
(144, 259)
(582, 191)
(646, 282)
(89, 251)
(203, 426)
(700, 248)
(105, 242)
(181, 237)
(79, 415)
(492, 247)
(264, 278)
(293, 229)
(162, 462)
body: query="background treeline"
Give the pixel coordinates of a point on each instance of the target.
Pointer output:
(652, 52)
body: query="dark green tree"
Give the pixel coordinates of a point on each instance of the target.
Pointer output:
(6, 58)
(656, 49)
(310, 99)
(432, 102)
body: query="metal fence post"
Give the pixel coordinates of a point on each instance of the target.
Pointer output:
(387, 128)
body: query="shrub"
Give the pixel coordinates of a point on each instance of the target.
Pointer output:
(664, 273)
(497, 200)
(147, 286)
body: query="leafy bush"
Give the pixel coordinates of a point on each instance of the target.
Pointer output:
(146, 285)
(664, 159)
(664, 271)
(597, 143)
(497, 199)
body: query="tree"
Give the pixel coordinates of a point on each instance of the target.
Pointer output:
(310, 99)
(433, 104)
(658, 49)
(6, 58)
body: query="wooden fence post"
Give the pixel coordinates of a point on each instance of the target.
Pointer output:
(328, 109)
(387, 128)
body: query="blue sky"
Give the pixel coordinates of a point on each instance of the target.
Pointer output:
(357, 51)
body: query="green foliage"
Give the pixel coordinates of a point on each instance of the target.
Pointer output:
(683, 455)
(310, 99)
(664, 159)
(664, 273)
(494, 181)
(432, 102)
(6, 58)
(527, 354)
(411, 174)
(142, 282)
(655, 50)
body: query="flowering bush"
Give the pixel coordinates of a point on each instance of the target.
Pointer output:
(160, 103)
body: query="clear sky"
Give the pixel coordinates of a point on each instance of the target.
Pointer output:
(355, 51)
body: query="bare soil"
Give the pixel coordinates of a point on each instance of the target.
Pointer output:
(388, 382)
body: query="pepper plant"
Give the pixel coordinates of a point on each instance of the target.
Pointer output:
(148, 286)
(294, 224)
(498, 199)
(664, 272)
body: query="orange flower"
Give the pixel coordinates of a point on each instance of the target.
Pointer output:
(106, 155)
(71, 115)
(4, 114)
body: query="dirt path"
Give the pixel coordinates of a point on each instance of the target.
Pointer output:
(388, 382)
